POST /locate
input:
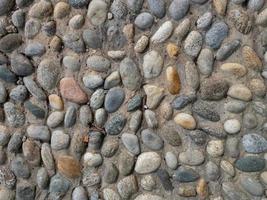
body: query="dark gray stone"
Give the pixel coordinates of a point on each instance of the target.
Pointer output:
(157, 7)
(25, 191)
(206, 110)
(70, 117)
(92, 38)
(227, 49)
(185, 175)
(10, 42)
(115, 124)
(250, 164)
(165, 179)
(114, 99)
(144, 20)
(254, 143)
(178, 9)
(20, 167)
(7, 75)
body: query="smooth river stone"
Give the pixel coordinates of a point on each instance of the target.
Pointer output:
(250, 164)
(191, 157)
(71, 91)
(114, 99)
(240, 91)
(173, 80)
(147, 162)
(185, 120)
(234, 69)
(254, 143)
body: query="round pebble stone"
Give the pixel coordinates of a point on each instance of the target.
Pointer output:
(171, 160)
(144, 20)
(59, 140)
(215, 148)
(185, 120)
(232, 126)
(76, 22)
(114, 99)
(79, 193)
(92, 159)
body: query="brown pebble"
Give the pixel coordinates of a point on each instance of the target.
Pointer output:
(31, 152)
(55, 44)
(68, 166)
(128, 31)
(202, 189)
(220, 6)
(251, 58)
(71, 91)
(172, 50)
(173, 80)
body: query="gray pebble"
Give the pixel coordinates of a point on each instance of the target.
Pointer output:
(135, 120)
(32, 28)
(254, 143)
(15, 142)
(20, 167)
(14, 115)
(74, 42)
(59, 140)
(33, 88)
(216, 34)
(79, 193)
(157, 8)
(38, 132)
(10, 42)
(21, 65)
(18, 18)
(114, 99)
(112, 80)
(115, 124)
(48, 74)
(131, 143)
(78, 3)
(25, 190)
(100, 116)
(151, 140)
(110, 173)
(92, 38)
(35, 49)
(72, 63)
(144, 20)
(98, 63)
(42, 178)
(205, 61)
(55, 119)
(178, 9)
(130, 74)
(3, 93)
(92, 81)
(109, 147)
(255, 5)
(85, 115)
(70, 117)
(76, 22)
(204, 20)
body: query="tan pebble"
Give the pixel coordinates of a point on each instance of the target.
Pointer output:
(141, 44)
(55, 102)
(251, 58)
(185, 120)
(31, 152)
(128, 31)
(240, 91)
(61, 10)
(202, 189)
(172, 50)
(71, 91)
(56, 43)
(234, 68)
(227, 167)
(220, 6)
(154, 95)
(68, 166)
(257, 87)
(187, 190)
(173, 80)
(215, 148)
(166, 110)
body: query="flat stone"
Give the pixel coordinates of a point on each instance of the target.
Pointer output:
(171, 160)
(126, 162)
(213, 88)
(147, 162)
(227, 49)
(71, 91)
(254, 143)
(240, 91)
(163, 33)
(10, 42)
(193, 43)
(157, 8)
(152, 64)
(127, 186)
(68, 166)
(21, 65)
(38, 132)
(214, 129)
(234, 69)
(206, 110)
(131, 143)
(192, 157)
(216, 34)
(151, 119)
(151, 140)
(33, 88)
(185, 120)
(92, 81)
(185, 175)
(144, 20)
(205, 61)
(251, 185)
(114, 99)
(173, 79)
(135, 120)
(59, 140)
(250, 164)
(115, 125)
(98, 63)
(154, 95)
(130, 73)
